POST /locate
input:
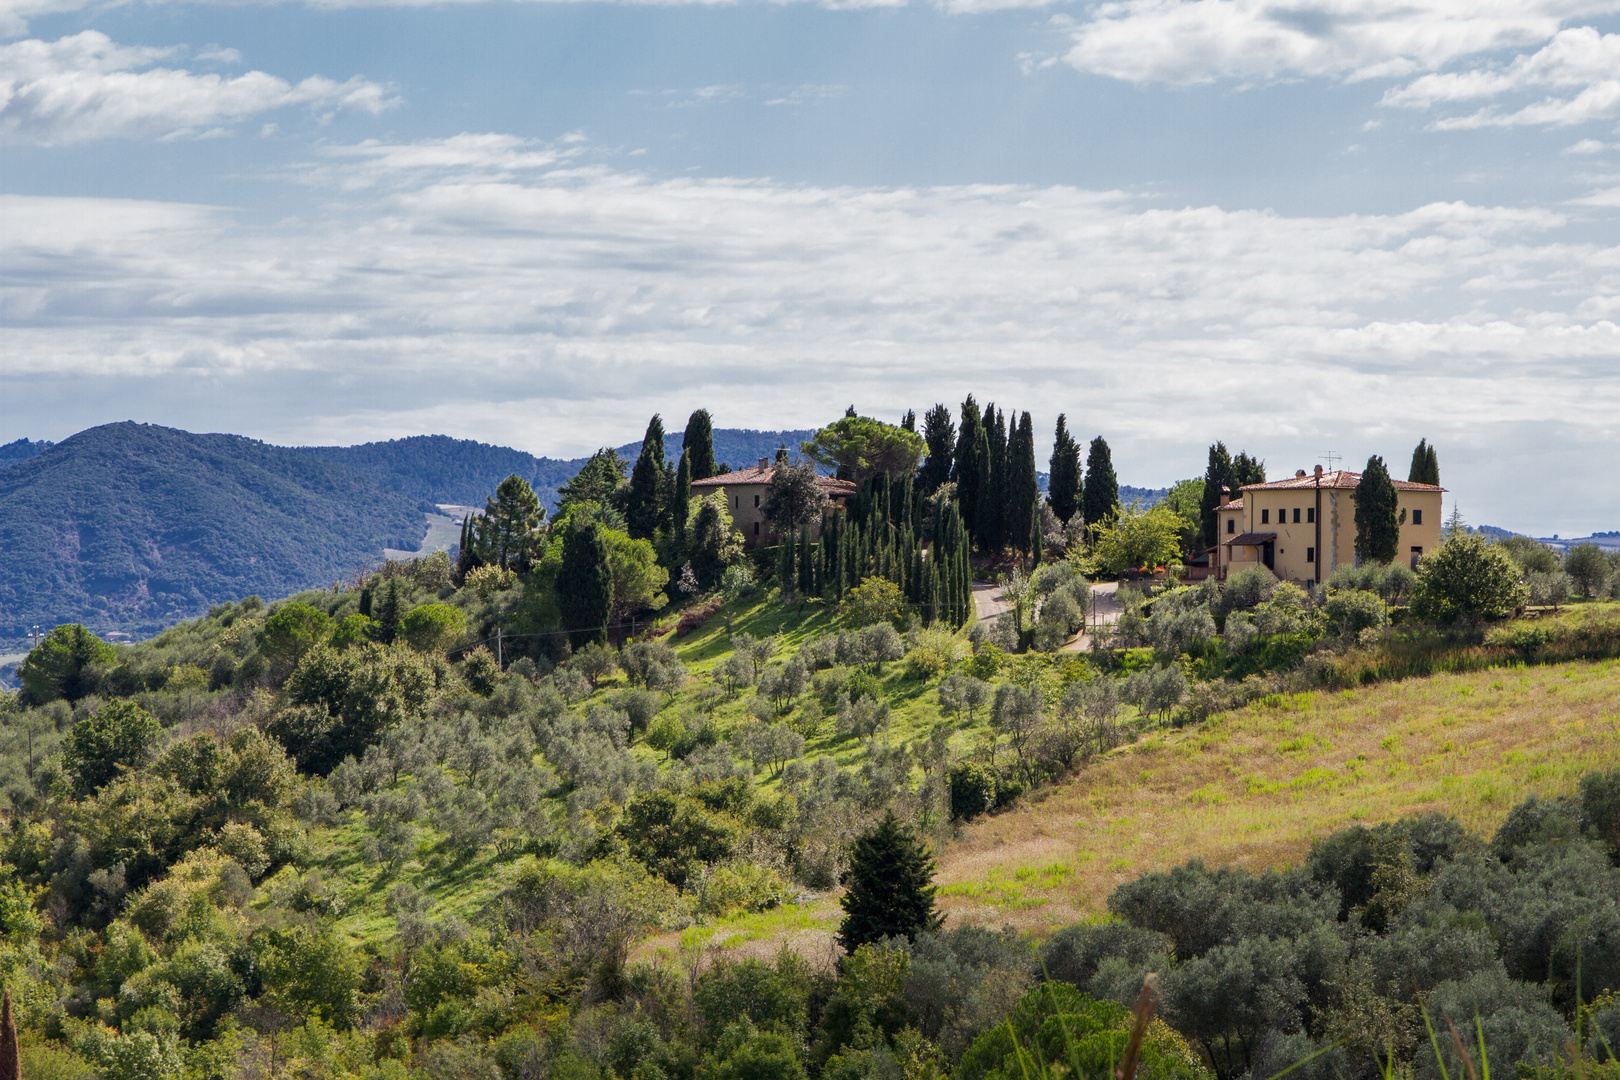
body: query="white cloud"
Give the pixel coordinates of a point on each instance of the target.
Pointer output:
(87, 87)
(218, 54)
(1586, 146)
(492, 287)
(1194, 41)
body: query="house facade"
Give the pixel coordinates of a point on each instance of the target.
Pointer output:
(1304, 527)
(745, 498)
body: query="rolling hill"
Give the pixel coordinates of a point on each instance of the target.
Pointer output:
(134, 526)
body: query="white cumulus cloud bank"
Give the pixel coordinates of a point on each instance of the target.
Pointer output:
(86, 87)
(505, 290)
(1505, 48)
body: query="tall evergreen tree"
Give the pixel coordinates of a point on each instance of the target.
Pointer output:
(585, 585)
(645, 502)
(890, 887)
(908, 422)
(939, 432)
(698, 444)
(992, 512)
(968, 470)
(1378, 529)
(1246, 470)
(1023, 488)
(1101, 498)
(510, 518)
(390, 609)
(1063, 483)
(681, 501)
(1217, 475)
(1425, 465)
(10, 1052)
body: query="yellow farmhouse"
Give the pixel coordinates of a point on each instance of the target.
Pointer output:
(1303, 527)
(745, 498)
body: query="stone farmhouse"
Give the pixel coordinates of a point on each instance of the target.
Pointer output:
(1304, 527)
(745, 498)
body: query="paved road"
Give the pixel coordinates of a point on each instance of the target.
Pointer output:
(988, 601)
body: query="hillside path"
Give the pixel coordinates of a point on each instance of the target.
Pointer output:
(988, 602)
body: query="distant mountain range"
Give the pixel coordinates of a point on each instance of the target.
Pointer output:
(133, 527)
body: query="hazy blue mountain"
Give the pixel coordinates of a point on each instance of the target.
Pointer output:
(21, 450)
(133, 526)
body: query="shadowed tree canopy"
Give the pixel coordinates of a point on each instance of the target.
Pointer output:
(1063, 486)
(601, 480)
(119, 736)
(889, 887)
(699, 445)
(645, 500)
(859, 447)
(1378, 530)
(1023, 485)
(1217, 474)
(971, 469)
(585, 584)
(60, 666)
(939, 433)
(794, 496)
(1246, 470)
(1425, 465)
(510, 519)
(1101, 498)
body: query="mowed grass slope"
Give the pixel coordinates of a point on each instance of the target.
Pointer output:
(1253, 788)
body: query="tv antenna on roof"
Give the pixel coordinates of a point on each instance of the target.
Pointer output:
(1332, 460)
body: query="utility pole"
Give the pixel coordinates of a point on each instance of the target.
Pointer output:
(500, 656)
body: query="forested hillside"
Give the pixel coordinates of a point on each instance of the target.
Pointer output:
(21, 450)
(133, 526)
(439, 469)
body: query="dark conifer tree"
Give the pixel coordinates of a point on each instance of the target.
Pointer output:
(585, 585)
(1217, 475)
(1245, 471)
(908, 422)
(968, 467)
(698, 445)
(1425, 466)
(1023, 486)
(807, 563)
(1063, 483)
(645, 501)
(992, 513)
(889, 887)
(939, 432)
(389, 610)
(1101, 498)
(787, 569)
(1378, 530)
(680, 502)
(10, 1052)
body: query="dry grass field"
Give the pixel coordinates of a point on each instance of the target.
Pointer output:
(1254, 788)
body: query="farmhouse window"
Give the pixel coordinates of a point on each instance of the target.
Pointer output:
(1310, 515)
(1265, 517)
(1417, 517)
(1296, 515)
(1310, 554)
(1230, 522)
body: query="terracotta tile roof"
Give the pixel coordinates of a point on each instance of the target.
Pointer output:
(758, 475)
(1250, 539)
(1339, 479)
(1235, 504)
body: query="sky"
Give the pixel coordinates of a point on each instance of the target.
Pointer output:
(1305, 227)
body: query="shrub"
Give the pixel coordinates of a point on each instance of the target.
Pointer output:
(874, 600)
(432, 628)
(1351, 611)
(117, 737)
(1467, 578)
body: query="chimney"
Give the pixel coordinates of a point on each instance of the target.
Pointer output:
(1298, 473)
(1226, 494)
(1319, 470)
(764, 463)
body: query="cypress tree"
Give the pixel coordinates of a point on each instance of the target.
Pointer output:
(1217, 475)
(1425, 466)
(1023, 489)
(10, 1052)
(908, 422)
(966, 468)
(389, 612)
(807, 563)
(585, 585)
(1063, 485)
(891, 887)
(1101, 498)
(1245, 471)
(991, 515)
(644, 503)
(698, 445)
(1378, 532)
(680, 503)
(939, 432)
